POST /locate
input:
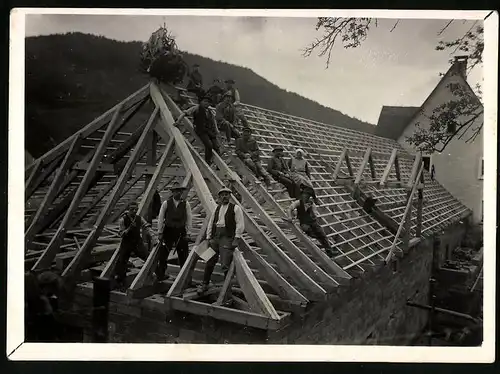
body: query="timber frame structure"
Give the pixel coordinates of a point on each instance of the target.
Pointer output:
(76, 192)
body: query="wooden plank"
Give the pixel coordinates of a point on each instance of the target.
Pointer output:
(420, 203)
(42, 176)
(118, 212)
(73, 267)
(226, 285)
(396, 167)
(49, 254)
(388, 167)
(339, 164)
(349, 165)
(362, 166)
(372, 167)
(96, 124)
(34, 172)
(254, 294)
(414, 170)
(33, 229)
(225, 314)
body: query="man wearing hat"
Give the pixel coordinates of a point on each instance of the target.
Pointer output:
(174, 225)
(225, 116)
(204, 126)
(223, 234)
(278, 168)
(247, 149)
(195, 83)
(131, 226)
(216, 91)
(235, 99)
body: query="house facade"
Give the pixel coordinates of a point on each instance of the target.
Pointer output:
(459, 167)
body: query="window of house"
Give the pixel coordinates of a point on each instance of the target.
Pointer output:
(427, 162)
(480, 174)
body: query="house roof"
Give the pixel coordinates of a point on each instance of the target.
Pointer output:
(393, 120)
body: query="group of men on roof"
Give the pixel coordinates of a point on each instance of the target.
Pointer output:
(226, 225)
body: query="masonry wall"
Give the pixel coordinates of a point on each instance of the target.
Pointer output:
(371, 310)
(458, 166)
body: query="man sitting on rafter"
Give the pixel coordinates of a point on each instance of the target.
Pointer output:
(248, 151)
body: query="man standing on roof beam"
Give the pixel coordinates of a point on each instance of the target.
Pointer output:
(236, 102)
(195, 83)
(307, 215)
(204, 126)
(225, 115)
(223, 234)
(174, 226)
(247, 149)
(278, 168)
(130, 232)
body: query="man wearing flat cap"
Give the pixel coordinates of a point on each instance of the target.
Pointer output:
(247, 150)
(204, 126)
(278, 168)
(223, 234)
(174, 226)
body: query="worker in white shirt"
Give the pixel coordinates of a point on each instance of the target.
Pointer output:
(223, 234)
(174, 226)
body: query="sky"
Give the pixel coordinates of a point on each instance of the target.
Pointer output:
(389, 68)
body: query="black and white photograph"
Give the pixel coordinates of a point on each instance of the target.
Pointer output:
(301, 185)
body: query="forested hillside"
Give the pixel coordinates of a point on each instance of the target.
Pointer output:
(73, 78)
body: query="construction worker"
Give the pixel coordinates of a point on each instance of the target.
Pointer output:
(195, 83)
(307, 215)
(236, 102)
(131, 225)
(248, 151)
(225, 115)
(278, 168)
(223, 234)
(204, 126)
(174, 227)
(299, 170)
(215, 91)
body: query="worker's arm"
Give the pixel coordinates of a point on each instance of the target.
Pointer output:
(219, 115)
(161, 217)
(187, 112)
(189, 218)
(270, 167)
(240, 223)
(307, 170)
(123, 229)
(146, 226)
(236, 97)
(210, 225)
(292, 208)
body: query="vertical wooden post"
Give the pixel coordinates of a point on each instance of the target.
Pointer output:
(100, 312)
(420, 204)
(407, 232)
(151, 161)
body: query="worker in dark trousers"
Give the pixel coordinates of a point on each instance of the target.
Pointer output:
(204, 126)
(195, 83)
(131, 225)
(235, 98)
(278, 168)
(226, 117)
(248, 151)
(174, 227)
(223, 234)
(308, 219)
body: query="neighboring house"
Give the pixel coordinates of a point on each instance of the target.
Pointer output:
(460, 167)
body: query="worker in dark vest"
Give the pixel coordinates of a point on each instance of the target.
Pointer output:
(131, 226)
(235, 98)
(174, 227)
(278, 168)
(195, 83)
(308, 219)
(247, 150)
(225, 116)
(204, 126)
(223, 234)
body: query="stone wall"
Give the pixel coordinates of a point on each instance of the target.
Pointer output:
(371, 310)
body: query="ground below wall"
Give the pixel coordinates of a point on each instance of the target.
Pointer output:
(371, 310)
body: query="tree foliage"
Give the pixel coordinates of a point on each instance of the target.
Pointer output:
(459, 114)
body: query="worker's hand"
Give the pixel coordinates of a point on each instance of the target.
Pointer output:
(235, 243)
(287, 219)
(211, 243)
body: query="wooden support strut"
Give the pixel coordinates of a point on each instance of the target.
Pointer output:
(258, 235)
(362, 166)
(388, 167)
(53, 247)
(73, 267)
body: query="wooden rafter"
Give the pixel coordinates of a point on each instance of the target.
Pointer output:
(344, 156)
(73, 267)
(388, 167)
(362, 166)
(49, 254)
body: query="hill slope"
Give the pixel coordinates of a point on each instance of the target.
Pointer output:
(73, 78)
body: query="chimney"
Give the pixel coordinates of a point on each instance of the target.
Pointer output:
(461, 65)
